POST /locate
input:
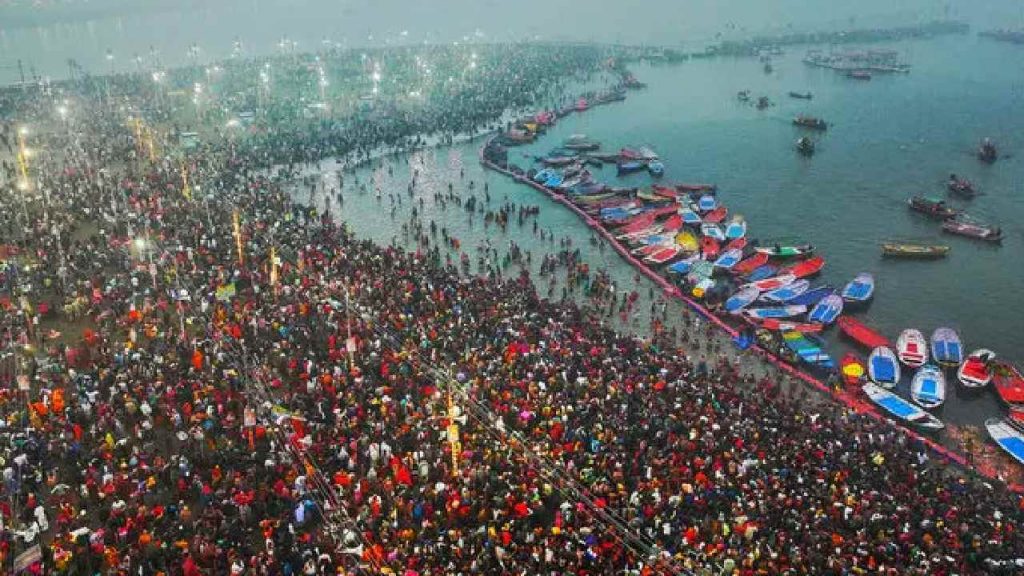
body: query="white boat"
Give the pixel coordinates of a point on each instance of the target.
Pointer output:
(775, 312)
(912, 348)
(928, 388)
(712, 231)
(976, 370)
(787, 292)
(1008, 435)
(901, 408)
(884, 367)
(741, 299)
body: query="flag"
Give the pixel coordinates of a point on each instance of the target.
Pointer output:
(226, 292)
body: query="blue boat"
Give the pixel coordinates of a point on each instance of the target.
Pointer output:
(762, 272)
(736, 229)
(656, 168)
(543, 175)
(787, 292)
(901, 408)
(809, 349)
(813, 296)
(827, 310)
(553, 181)
(775, 312)
(630, 167)
(707, 203)
(741, 299)
(1008, 435)
(683, 266)
(689, 216)
(884, 367)
(860, 289)
(729, 259)
(946, 348)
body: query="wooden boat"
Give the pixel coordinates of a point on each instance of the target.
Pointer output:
(728, 259)
(809, 349)
(706, 203)
(912, 348)
(900, 408)
(932, 207)
(1008, 435)
(914, 251)
(946, 348)
(807, 268)
(961, 186)
(709, 247)
(810, 122)
(593, 199)
(813, 295)
(851, 369)
(775, 312)
(801, 95)
(1009, 385)
(987, 152)
(780, 251)
(861, 289)
(581, 142)
(751, 263)
(976, 230)
(787, 292)
(741, 299)
(629, 167)
(736, 229)
(774, 282)
(664, 255)
(712, 231)
(976, 370)
(884, 367)
(687, 241)
(928, 388)
(656, 168)
(683, 266)
(785, 325)
(665, 191)
(763, 273)
(860, 333)
(696, 187)
(827, 310)
(717, 215)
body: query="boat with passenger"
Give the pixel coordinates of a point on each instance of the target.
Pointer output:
(965, 226)
(932, 207)
(810, 122)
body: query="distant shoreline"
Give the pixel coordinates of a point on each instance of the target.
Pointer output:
(17, 17)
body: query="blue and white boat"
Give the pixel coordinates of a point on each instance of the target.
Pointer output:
(947, 350)
(741, 299)
(689, 216)
(763, 272)
(707, 203)
(827, 310)
(683, 266)
(729, 259)
(712, 231)
(775, 312)
(813, 295)
(928, 388)
(860, 289)
(630, 167)
(656, 168)
(884, 367)
(1008, 435)
(736, 229)
(901, 408)
(787, 292)
(543, 175)
(553, 181)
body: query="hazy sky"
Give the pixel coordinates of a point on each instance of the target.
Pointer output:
(215, 24)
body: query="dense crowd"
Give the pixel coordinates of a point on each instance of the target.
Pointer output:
(226, 382)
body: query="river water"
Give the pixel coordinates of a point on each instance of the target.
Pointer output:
(889, 138)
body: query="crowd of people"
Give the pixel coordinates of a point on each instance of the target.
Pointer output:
(225, 381)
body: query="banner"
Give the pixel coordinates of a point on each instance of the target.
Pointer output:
(26, 559)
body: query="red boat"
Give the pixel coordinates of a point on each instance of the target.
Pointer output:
(806, 268)
(665, 191)
(696, 187)
(709, 247)
(861, 334)
(851, 369)
(782, 325)
(716, 215)
(753, 262)
(737, 244)
(582, 105)
(1009, 384)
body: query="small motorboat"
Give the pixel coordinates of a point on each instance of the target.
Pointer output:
(912, 348)
(860, 290)
(884, 367)
(976, 370)
(900, 408)
(827, 310)
(987, 152)
(807, 268)
(712, 231)
(805, 146)
(728, 259)
(860, 333)
(914, 251)
(707, 203)
(932, 207)
(778, 250)
(928, 388)
(787, 292)
(801, 95)
(741, 299)
(736, 229)
(809, 349)
(1009, 385)
(810, 122)
(709, 247)
(965, 227)
(774, 312)
(961, 186)
(946, 348)
(751, 263)
(656, 168)
(1008, 435)
(717, 215)
(630, 166)
(774, 282)
(813, 295)
(851, 369)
